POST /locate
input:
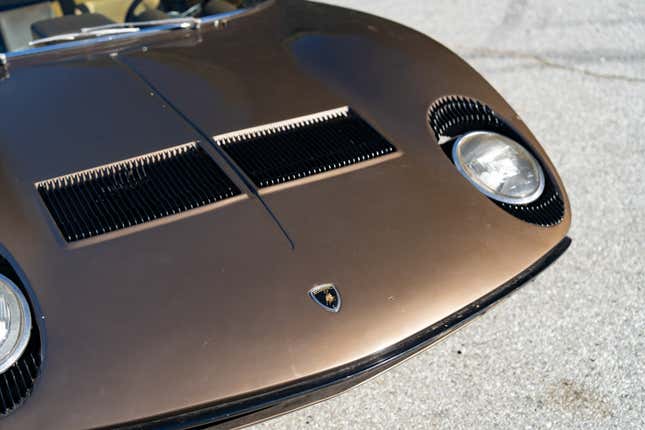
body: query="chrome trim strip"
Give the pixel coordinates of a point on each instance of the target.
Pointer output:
(99, 169)
(88, 42)
(179, 22)
(83, 35)
(251, 132)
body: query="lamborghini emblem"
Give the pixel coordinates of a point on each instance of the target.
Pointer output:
(327, 296)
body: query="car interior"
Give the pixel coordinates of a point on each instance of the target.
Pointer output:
(22, 21)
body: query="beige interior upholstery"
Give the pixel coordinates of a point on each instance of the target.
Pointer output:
(15, 24)
(116, 9)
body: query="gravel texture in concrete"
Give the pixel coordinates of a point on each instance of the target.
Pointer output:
(568, 350)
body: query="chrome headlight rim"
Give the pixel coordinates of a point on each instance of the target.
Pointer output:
(488, 192)
(26, 325)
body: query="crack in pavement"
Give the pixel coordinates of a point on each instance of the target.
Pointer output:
(499, 54)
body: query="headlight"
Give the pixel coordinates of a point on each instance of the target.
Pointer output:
(499, 167)
(15, 323)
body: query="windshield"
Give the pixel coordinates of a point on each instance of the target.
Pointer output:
(27, 24)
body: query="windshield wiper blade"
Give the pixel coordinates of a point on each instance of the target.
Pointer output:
(67, 37)
(120, 28)
(165, 24)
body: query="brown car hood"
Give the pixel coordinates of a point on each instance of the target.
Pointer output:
(214, 304)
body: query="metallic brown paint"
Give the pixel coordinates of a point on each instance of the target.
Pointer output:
(213, 305)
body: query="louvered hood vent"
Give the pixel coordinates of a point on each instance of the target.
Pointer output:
(134, 191)
(289, 150)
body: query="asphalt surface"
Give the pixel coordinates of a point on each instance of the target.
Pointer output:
(568, 350)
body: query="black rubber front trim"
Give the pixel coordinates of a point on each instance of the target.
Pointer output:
(262, 405)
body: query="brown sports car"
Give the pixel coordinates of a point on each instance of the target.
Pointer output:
(215, 212)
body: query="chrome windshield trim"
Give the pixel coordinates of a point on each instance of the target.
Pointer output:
(179, 22)
(215, 20)
(85, 42)
(82, 35)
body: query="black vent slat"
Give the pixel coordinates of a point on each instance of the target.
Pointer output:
(453, 116)
(32, 364)
(4, 404)
(210, 181)
(56, 212)
(108, 213)
(136, 191)
(76, 224)
(175, 191)
(17, 382)
(115, 208)
(294, 149)
(92, 209)
(86, 221)
(6, 392)
(20, 377)
(200, 193)
(167, 204)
